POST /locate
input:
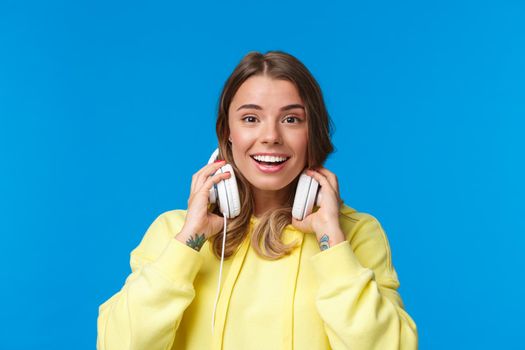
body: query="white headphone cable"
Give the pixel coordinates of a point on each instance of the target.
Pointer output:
(220, 274)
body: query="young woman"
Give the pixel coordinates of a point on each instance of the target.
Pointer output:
(323, 282)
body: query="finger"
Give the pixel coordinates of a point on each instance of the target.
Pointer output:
(208, 170)
(323, 181)
(302, 225)
(215, 179)
(325, 186)
(331, 177)
(207, 185)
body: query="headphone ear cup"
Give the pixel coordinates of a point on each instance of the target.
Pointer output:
(214, 194)
(228, 194)
(226, 191)
(305, 197)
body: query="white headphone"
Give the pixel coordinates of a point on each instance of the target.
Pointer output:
(226, 191)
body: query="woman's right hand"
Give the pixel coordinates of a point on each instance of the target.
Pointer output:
(198, 219)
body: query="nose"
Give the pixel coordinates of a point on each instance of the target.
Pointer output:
(271, 134)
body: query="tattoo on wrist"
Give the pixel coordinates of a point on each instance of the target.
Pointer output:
(324, 243)
(196, 241)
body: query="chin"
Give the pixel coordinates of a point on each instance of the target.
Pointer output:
(269, 185)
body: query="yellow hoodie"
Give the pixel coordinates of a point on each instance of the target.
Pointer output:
(344, 297)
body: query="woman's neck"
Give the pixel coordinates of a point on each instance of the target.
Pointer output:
(268, 200)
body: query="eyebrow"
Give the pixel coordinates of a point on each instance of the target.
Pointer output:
(285, 108)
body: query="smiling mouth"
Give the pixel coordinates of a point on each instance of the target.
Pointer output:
(270, 162)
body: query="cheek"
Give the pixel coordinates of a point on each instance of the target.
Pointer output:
(241, 143)
(304, 153)
(300, 144)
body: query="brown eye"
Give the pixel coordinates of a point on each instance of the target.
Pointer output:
(292, 120)
(250, 119)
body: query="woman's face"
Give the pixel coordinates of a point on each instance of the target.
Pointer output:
(268, 132)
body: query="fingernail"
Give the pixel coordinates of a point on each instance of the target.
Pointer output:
(218, 161)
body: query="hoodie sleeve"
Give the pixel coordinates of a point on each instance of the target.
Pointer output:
(147, 311)
(357, 297)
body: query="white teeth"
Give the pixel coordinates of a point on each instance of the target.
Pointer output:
(270, 159)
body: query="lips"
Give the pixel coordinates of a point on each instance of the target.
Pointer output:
(269, 162)
(269, 167)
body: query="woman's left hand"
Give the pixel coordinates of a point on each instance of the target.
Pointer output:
(326, 219)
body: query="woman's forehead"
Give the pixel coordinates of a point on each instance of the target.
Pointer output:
(266, 93)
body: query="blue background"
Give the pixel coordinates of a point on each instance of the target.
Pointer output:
(108, 108)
